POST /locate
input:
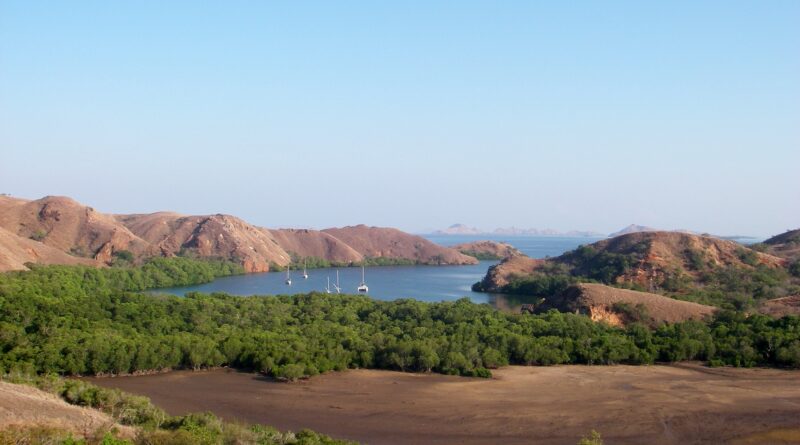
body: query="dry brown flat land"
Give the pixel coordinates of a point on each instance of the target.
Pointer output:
(520, 405)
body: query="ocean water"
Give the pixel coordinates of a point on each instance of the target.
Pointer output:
(533, 246)
(425, 283)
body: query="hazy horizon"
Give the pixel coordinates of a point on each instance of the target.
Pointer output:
(312, 114)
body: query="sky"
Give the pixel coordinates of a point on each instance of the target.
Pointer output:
(414, 114)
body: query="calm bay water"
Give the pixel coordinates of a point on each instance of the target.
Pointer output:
(425, 283)
(533, 246)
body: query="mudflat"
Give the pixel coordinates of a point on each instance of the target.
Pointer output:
(685, 404)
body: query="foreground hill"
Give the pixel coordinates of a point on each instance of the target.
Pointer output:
(24, 406)
(59, 230)
(619, 307)
(700, 268)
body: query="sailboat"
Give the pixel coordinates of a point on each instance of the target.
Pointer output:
(305, 274)
(328, 287)
(336, 286)
(288, 276)
(363, 288)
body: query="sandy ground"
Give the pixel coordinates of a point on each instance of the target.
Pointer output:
(521, 405)
(22, 405)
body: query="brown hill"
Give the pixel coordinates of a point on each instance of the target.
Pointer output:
(651, 260)
(659, 256)
(306, 243)
(619, 307)
(68, 226)
(488, 250)
(58, 230)
(501, 275)
(15, 251)
(381, 242)
(222, 236)
(786, 245)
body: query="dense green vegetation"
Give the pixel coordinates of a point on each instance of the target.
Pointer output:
(155, 427)
(794, 268)
(155, 273)
(76, 320)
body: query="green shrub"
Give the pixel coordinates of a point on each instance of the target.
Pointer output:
(593, 438)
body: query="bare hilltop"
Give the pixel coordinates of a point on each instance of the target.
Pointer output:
(60, 230)
(643, 275)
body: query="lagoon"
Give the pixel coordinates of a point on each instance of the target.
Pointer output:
(424, 283)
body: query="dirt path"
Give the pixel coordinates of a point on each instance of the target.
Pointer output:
(520, 405)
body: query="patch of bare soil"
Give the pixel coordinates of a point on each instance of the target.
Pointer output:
(781, 307)
(686, 404)
(598, 302)
(15, 251)
(25, 406)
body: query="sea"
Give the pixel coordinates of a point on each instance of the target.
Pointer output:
(424, 283)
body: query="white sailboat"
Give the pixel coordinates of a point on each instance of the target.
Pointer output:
(328, 287)
(336, 286)
(363, 288)
(288, 276)
(305, 274)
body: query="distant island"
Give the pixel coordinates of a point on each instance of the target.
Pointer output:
(462, 229)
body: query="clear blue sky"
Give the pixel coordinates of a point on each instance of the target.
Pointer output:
(571, 115)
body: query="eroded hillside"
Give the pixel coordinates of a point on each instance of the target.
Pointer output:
(59, 230)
